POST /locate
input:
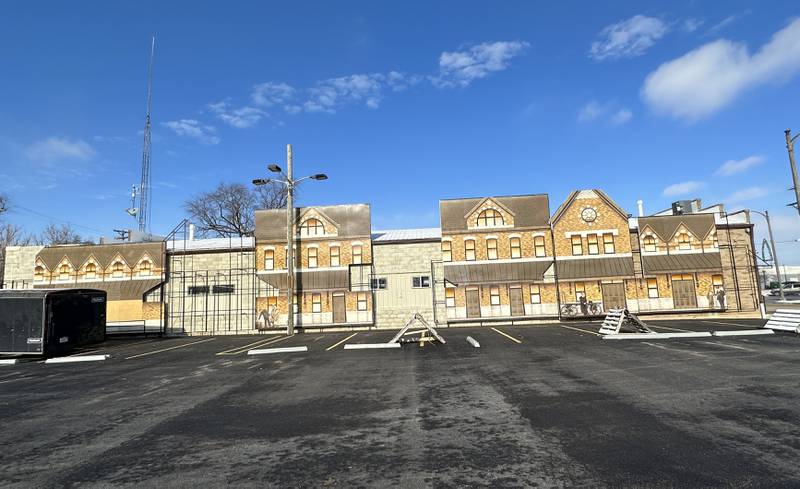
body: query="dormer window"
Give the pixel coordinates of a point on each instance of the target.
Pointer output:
(64, 271)
(490, 218)
(649, 243)
(38, 273)
(90, 271)
(145, 268)
(117, 269)
(684, 242)
(312, 227)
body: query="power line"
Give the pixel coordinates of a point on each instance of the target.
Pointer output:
(46, 216)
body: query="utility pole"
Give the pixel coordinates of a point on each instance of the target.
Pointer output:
(289, 242)
(774, 252)
(795, 180)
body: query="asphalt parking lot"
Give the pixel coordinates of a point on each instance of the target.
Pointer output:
(545, 406)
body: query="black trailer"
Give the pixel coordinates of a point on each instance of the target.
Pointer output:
(50, 321)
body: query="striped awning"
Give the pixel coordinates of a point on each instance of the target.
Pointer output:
(308, 280)
(495, 273)
(682, 262)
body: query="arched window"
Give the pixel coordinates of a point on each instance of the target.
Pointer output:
(145, 268)
(714, 240)
(38, 273)
(684, 242)
(490, 218)
(649, 243)
(117, 269)
(312, 227)
(90, 271)
(64, 271)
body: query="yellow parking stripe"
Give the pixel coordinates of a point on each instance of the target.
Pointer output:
(168, 349)
(243, 349)
(340, 342)
(507, 336)
(581, 330)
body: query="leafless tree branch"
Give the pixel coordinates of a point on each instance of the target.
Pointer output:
(229, 209)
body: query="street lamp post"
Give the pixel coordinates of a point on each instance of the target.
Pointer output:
(774, 251)
(290, 184)
(793, 165)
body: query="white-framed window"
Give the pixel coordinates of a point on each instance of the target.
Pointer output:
(64, 272)
(117, 269)
(145, 268)
(312, 257)
(536, 294)
(90, 271)
(592, 246)
(421, 282)
(684, 241)
(469, 249)
(269, 259)
(608, 244)
(538, 245)
(357, 249)
(316, 302)
(580, 290)
(450, 297)
(361, 301)
(577, 246)
(447, 251)
(312, 227)
(516, 247)
(334, 256)
(652, 288)
(38, 273)
(491, 248)
(649, 243)
(378, 283)
(494, 295)
(490, 218)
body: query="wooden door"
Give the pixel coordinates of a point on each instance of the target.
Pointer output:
(473, 303)
(683, 294)
(515, 298)
(339, 314)
(613, 296)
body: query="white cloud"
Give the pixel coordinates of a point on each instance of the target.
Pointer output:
(732, 167)
(54, 149)
(332, 93)
(398, 81)
(595, 110)
(683, 188)
(692, 24)
(628, 38)
(461, 68)
(109, 139)
(268, 94)
(749, 193)
(622, 116)
(708, 78)
(240, 118)
(191, 128)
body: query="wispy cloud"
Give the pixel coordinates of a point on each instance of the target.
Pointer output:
(191, 128)
(240, 118)
(746, 194)
(683, 188)
(332, 93)
(461, 68)
(54, 149)
(594, 110)
(705, 80)
(109, 139)
(269, 94)
(628, 38)
(692, 24)
(722, 24)
(732, 167)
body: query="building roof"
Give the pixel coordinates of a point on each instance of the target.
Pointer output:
(103, 253)
(309, 281)
(528, 210)
(116, 290)
(210, 244)
(351, 220)
(592, 268)
(406, 235)
(480, 273)
(700, 225)
(682, 262)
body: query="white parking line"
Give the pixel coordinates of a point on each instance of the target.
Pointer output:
(75, 359)
(739, 325)
(369, 346)
(287, 349)
(728, 346)
(168, 349)
(10, 361)
(677, 350)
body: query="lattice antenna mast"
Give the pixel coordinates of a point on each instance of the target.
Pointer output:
(144, 187)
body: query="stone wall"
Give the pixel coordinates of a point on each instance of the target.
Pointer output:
(19, 265)
(398, 264)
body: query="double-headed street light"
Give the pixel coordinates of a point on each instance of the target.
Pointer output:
(290, 184)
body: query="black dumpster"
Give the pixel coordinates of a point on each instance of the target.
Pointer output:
(50, 321)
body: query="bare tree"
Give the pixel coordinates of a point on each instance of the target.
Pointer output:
(59, 235)
(229, 209)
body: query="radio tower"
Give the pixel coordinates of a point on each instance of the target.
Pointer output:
(144, 186)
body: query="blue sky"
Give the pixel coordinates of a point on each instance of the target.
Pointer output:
(401, 103)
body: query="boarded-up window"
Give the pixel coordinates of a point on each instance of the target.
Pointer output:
(538, 244)
(649, 243)
(64, 271)
(357, 254)
(577, 245)
(447, 251)
(469, 249)
(652, 288)
(361, 302)
(450, 297)
(608, 244)
(516, 250)
(117, 269)
(316, 302)
(312, 257)
(491, 249)
(494, 295)
(145, 268)
(684, 242)
(91, 270)
(536, 294)
(593, 247)
(269, 259)
(580, 290)
(334, 256)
